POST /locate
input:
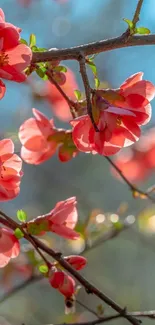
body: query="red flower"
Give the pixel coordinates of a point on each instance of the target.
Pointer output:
(9, 246)
(59, 105)
(4, 24)
(120, 114)
(63, 282)
(40, 140)
(14, 57)
(67, 150)
(61, 220)
(10, 171)
(76, 261)
(33, 135)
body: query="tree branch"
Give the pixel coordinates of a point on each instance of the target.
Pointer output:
(73, 53)
(112, 233)
(70, 102)
(147, 314)
(89, 287)
(82, 63)
(135, 190)
(137, 12)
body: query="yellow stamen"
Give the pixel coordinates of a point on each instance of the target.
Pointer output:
(4, 59)
(119, 121)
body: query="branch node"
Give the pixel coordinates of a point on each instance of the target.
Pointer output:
(82, 63)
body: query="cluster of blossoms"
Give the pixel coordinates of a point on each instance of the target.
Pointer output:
(60, 220)
(137, 163)
(118, 114)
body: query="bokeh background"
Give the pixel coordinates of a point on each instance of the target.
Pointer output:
(123, 267)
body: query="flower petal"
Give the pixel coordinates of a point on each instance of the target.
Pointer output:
(132, 80)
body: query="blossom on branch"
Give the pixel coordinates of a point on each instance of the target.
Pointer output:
(10, 171)
(9, 246)
(40, 140)
(14, 57)
(61, 220)
(76, 261)
(118, 114)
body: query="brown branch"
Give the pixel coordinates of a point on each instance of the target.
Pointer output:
(111, 234)
(135, 190)
(26, 283)
(82, 63)
(13, 224)
(70, 102)
(73, 53)
(89, 287)
(147, 314)
(137, 12)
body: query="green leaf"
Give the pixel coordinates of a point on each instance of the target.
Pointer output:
(92, 57)
(21, 215)
(18, 233)
(60, 68)
(43, 268)
(32, 41)
(23, 41)
(39, 49)
(92, 67)
(41, 72)
(97, 83)
(142, 30)
(77, 94)
(130, 23)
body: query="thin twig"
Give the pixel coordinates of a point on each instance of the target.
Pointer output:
(147, 314)
(112, 233)
(82, 63)
(135, 190)
(70, 102)
(137, 12)
(13, 224)
(23, 285)
(87, 308)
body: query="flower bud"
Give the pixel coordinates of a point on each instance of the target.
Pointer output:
(63, 282)
(59, 77)
(76, 261)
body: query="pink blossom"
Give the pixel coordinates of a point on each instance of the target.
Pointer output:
(61, 220)
(63, 282)
(34, 134)
(76, 261)
(14, 57)
(120, 113)
(9, 246)
(10, 171)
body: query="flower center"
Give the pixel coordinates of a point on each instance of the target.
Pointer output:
(118, 121)
(4, 59)
(2, 171)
